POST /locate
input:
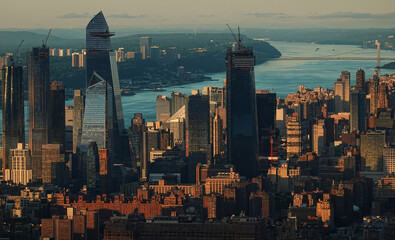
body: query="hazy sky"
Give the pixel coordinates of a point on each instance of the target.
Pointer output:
(200, 13)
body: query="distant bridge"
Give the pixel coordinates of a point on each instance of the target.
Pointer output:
(334, 57)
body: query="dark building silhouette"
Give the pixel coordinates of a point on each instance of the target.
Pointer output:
(197, 113)
(13, 111)
(360, 80)
(358, 111)
(56, 114)
(266, 112)
(102, 66)
(53, 164)
(38, 81)
(241, 118)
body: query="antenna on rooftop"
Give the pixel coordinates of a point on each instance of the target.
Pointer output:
(238, 40)
(46, 39)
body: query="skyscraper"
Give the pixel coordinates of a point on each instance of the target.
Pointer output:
(360, 80)
(13, 111)
(38, 80)
(103, 118)
(358, 111)
(53, 164)
(101, 59)
(162, 108)
(145, 47)
(98, 115)
(345, 76)
(372, 145)
(374, 93)
(78, 117)
(56, 114)
(266, 112)
(241, 116)
(294, 136)
(20, 171)
(197, 113)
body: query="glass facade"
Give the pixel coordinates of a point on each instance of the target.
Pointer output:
(13, 111)
(242, 140)
(97, 123)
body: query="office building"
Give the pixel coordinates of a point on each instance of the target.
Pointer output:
(389, 159)
(155, 53)
(217, 133)
(241, 116)
(38, 80)
(56, 114)
(101, 60)
(162, 108)
(53, 164)
(345, 77)
(13, 111)
(177, 102)
(360, 80)
(294, 136)
(145, 47)
(374, 93)
(372, 145)
(358, 111)
(319, 137)
(197, 113)
(266, 111)
(103, 117)
(78, 116)
(339, 96)
(20, 171)
(69, 119)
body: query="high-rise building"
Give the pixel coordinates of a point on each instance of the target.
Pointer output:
(319, 137)
(91, 159)
(78, 117)
(241, 116)
(266, 110)
(374, 93)
(38, 81)
(13, 111)
(382, 98)
(360, 80)
(162, 108)
(197, 114)
(97, 124)
(69, 119)
(177, 101)
(345, 76)
(20, 171)
(56, 114)
(155, 52)
(294, 136)
(103, 117)
(217, 136)
(358, 111)
(101, 59)
(53, 164)
(372, 144)
(389, 159)
(136, 139)
(145, 47)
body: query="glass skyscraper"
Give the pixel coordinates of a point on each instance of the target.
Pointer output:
(38, 80)
(103, 117)
(101, 59)
(241, 116)
(13, 111)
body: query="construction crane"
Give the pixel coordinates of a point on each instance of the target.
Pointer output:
(238, 40)
(16, 52)
(46, 39)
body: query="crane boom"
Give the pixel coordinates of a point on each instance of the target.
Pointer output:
(16, 52)
(46, 39)
(238, 40)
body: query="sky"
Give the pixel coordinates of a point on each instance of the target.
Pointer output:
(35, 14)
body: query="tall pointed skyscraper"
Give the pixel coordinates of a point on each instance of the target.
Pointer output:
(101, 59)
(241, 116)
(38, 80)
(13, 111)
(102, 82)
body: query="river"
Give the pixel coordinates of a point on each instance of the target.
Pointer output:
(280, 76)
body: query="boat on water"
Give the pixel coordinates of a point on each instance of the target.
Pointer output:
(158, 90)
(127, 92)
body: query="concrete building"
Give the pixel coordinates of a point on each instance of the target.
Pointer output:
(389, 159)
(372, 145)
(319, 137)
(20, 171)
(294, 136)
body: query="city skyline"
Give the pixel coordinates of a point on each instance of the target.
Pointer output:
(175, 13)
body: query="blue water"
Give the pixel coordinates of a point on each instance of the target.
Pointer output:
(283, 76)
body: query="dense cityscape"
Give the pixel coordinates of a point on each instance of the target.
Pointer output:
(230, 162)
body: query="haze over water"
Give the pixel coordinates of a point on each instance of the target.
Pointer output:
(283, 76)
